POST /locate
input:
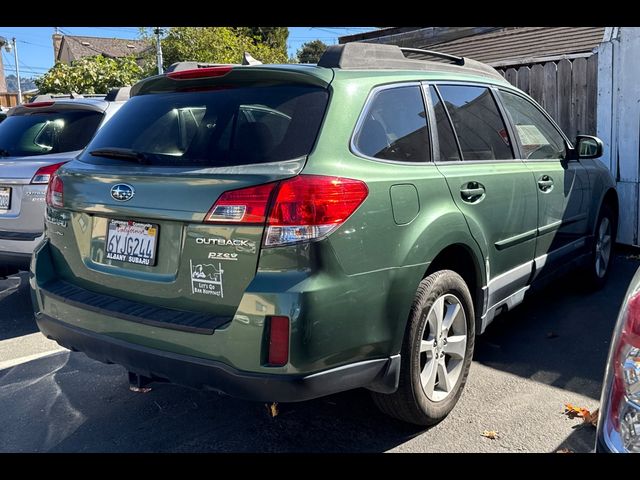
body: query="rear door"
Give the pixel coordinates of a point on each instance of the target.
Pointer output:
(562, 185)
(139, 198)
(494, 190)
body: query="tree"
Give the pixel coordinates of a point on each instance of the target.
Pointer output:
(97, 74)
(222, 44)
(273, 37)
(310, 52)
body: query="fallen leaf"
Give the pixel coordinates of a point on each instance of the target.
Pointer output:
(273, 409)
(564, 450)
(490, 434)
(572, 411)
(591, 418)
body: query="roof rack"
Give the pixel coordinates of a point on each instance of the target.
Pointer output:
(454, 58)
(374, 56)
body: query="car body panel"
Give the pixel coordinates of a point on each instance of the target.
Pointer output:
(347, 294)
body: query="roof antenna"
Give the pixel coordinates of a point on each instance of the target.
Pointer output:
(249, 60)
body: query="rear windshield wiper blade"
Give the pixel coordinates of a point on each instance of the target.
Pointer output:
(121, 154)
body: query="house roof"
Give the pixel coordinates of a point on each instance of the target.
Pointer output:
(516, 45)
(109, 47)
(502, 46)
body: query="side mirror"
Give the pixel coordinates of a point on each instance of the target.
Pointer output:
(588, 146)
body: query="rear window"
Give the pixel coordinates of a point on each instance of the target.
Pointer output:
(223, 127)
(47, 132)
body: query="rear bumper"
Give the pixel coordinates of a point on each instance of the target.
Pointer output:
(379, 374)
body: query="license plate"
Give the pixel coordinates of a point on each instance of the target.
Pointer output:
(5, 198)
(132, 242)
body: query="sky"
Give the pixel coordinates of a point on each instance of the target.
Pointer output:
(35, 48)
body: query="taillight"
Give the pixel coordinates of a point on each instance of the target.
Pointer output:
(278, 341)
(246, 205)
(54, 192)
(207, 72)
(306, 207)
(622, 417)
(43, 175)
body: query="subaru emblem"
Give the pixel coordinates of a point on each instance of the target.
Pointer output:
(122, 192)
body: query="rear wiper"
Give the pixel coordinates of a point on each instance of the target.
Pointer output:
(121, 154)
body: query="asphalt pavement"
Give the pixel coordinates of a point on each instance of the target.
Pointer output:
(549, 351)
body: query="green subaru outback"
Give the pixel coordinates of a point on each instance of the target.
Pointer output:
(284, 232)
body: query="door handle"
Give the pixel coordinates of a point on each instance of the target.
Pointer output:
(545, 183)
(472, 192)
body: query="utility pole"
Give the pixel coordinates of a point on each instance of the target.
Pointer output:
(8, 48)
(158, 32)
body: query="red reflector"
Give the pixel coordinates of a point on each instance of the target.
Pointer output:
(246, 205)
(54, 192)
(278, 341)
(316, 200)
(43, 175)
(38, 104)
(207, 72)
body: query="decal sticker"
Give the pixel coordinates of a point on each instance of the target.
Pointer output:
(206, 279)
(222, 256)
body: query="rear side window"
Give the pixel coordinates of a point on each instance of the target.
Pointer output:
(41, 133)
(480, 128)
(223, 127)
(537, 135)
(447, 144)
(395, 126)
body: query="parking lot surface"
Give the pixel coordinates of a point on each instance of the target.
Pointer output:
(549, 351)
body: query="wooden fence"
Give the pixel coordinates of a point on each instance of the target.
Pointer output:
(8, 99)
(567, 89)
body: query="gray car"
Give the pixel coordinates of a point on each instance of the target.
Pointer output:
(35, 140)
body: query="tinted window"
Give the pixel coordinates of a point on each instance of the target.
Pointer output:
(223, 127)
(447, 144)
(395, 126)
(47, 132)
(480, 128)
(538, 137)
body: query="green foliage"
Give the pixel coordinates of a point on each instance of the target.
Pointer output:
(272, 37)
(310, 52)
(220, 44)
(97, 74)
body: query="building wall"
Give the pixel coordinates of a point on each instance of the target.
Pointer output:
(619, 121)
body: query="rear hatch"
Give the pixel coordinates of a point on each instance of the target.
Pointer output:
(138, 200)
(34, 140)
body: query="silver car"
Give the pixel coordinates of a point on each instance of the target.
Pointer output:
(35, 140)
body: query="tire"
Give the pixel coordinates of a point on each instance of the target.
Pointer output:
(602, 251)
(442, 291)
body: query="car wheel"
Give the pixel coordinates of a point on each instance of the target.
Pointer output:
(436, 351)
(602, 253)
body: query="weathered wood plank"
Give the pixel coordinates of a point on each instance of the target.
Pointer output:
(564, 97)
(579, 95)
(512, 76)
(592, 95)
(537, 83)
(523, 79)
(550, 94)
